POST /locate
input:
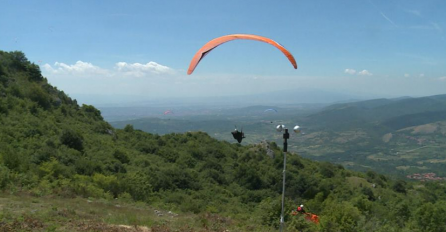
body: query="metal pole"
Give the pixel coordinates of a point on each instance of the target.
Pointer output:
(286, 135)
(283, 193)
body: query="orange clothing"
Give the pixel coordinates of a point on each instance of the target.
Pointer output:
(315, 218)
(312, 217)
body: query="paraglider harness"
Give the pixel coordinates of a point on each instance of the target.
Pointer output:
(238, 135)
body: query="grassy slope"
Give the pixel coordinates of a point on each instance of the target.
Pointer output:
(27, 213)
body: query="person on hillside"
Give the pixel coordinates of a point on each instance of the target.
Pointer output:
(301, 209)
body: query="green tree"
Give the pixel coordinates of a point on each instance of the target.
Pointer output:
(121, 156)
(129, 128)
(399, 186)
(92, 111)
(37, 94)
(138, 185)
(431, 217)
(34, 73)
(340, 216)
(10, 158)
(368, 192)
(327, 169)
(19, 60)
(72, 139)
(401, 213)
(3, 77)
(4, 176)
(53, 170)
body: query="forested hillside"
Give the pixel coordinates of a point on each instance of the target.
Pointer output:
(51, 146)
(399, 137)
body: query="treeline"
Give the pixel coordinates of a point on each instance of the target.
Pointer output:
(49, 145)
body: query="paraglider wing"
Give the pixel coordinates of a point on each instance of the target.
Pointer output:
(168, 112)
(203, 51)
(270, 110)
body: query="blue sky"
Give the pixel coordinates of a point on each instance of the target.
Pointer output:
(143, 48)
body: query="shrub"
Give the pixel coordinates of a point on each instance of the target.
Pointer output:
(121, 156)
(52, 169)
(92, 111)
(41, 97)
(10, 159)
(72, 139)
(4, 176)
(14, 90)
(137, 185)
(19, 60)
(34, 73)
(129, 128)
(86, 167)
(107, 183)
(3, 78)
(399, 186)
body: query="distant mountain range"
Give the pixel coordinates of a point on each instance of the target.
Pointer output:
(387, 112)
(282, 97)
(360, 135)
(399, 136)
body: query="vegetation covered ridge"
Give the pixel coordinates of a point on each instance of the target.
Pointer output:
(52, 147)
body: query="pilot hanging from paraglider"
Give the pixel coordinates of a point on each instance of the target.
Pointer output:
(238, 135)
(209, 46)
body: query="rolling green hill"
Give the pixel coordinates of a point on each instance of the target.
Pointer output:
(409, 120)
(53, 150)
(352, 134)
(379, 110)
(373, 134)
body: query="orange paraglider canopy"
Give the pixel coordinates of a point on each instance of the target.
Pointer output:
(220, 40)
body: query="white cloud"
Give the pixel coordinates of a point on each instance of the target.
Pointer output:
(365, 73)
(350, 71)
(141, 70)
(406, 75)
(442, 78)
(120, 78)
(421, 75)
(85, 69)
(47, 67)
(360, 73)
(79, 67)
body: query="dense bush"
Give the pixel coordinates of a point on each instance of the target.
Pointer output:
(37, 94)
(72, 139)
(34, 73)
